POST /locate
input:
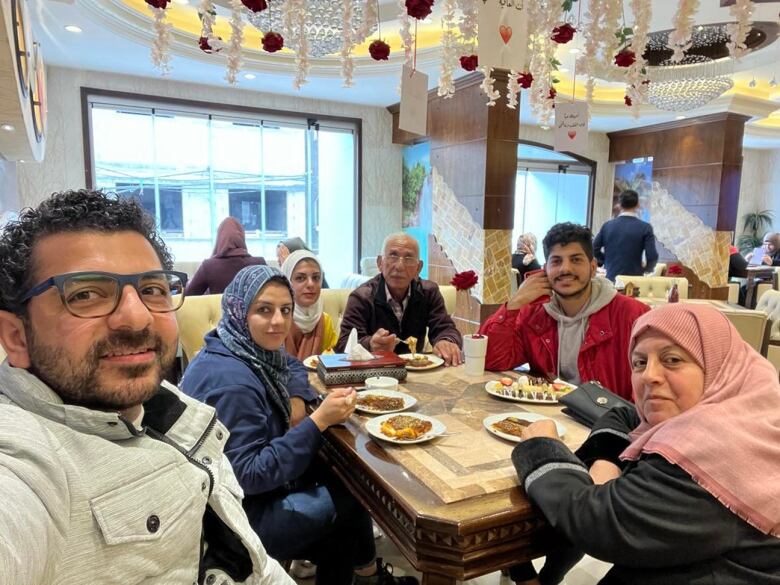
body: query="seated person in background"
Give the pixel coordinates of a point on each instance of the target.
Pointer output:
(293, 502)
(771, 250)
(737, 264)
(229, 256)
(692, 487)
(107, 473)
(312, 331)
(621, 241)
(581, 333)
(524, 258)
(286, 247)
(397, 304)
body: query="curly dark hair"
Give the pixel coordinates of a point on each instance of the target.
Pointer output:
(67, 211)
(567, 233)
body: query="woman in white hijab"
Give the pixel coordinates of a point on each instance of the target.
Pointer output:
(312, 332)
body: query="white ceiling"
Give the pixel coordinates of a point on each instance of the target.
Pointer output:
(117, 39)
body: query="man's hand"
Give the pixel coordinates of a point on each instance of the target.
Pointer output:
(449, 352)
(531, 289)
(297, 410)
(541, 428)
(603, 471)
(383, 340)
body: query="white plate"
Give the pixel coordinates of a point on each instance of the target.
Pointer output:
(495, 387)
(436, 361)
(409, 401)
(529, 416)
(309, 362)
(373, 425)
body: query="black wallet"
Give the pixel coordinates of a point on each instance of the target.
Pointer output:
(589, 401)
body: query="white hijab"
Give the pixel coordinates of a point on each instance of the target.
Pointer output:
(306, 318)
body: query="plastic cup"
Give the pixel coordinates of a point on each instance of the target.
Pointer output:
(474, 350)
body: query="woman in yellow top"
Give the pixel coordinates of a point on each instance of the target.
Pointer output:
(312, 332)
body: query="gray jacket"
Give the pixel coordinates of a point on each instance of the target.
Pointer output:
(87, 497)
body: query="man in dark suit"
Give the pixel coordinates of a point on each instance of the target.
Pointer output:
(621, 241)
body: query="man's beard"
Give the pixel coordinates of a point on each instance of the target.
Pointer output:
(573, 295)
(77, 380)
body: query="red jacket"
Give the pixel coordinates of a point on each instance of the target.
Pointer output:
(530, 334)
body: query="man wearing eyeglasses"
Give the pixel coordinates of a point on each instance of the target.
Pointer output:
(107, 474)
(396, 304)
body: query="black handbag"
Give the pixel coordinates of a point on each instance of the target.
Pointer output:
(589, 401)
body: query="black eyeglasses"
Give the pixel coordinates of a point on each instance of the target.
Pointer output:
(96, 294)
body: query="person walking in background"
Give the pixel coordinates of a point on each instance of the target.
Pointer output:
(621, 241)
(524, 257)
(230, 255)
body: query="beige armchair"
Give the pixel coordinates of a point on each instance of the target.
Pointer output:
(660, 269)
(656, 286)
(769, 303)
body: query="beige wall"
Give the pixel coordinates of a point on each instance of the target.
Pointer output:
(760, 187)
(598, 150)
(63, 166)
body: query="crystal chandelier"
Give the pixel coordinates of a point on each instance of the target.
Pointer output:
(689, 84)
(324, 24)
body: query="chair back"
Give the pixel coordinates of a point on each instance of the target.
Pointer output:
(753, 327)
(656, 286)
(189, 268)
(660, 269)
(197, 316)
(353, 280)
(769, 303)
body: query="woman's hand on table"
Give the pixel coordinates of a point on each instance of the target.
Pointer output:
(541, 428)
(449, 352)
(337, 407)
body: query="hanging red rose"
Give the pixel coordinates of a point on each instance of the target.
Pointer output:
(674, 270)
(628, 101)
(552, 94)
(379, 50)
(464, 280)
(469, 62)
(255, 5)
(525, 80)
(625, 58)
(272, 41)
(563, 33)
(204, 45)
(158, 3)
(419, 9)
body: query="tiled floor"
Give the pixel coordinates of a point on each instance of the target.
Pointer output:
(587, 572)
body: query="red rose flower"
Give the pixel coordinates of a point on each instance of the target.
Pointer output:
(563, 33)
(627, 100)
(525, 80)
(469, 62)
(272, 41)
(204, 45)
(379, 50)
(552, 94)
(674, 270)
(464, 280)
(419, 9)
(255, 6)
(625, 58)
(158, 3)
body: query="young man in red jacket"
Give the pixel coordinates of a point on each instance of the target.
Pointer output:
(581, 333)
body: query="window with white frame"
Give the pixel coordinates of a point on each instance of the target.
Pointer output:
(190, 168)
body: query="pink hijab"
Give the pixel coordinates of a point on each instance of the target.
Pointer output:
(729, 442)
(231, 239)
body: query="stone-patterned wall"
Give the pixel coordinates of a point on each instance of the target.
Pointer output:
(698, 246)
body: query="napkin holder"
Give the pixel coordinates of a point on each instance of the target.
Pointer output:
(589, 401)
(336, 370)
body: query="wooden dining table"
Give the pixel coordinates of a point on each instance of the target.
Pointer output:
(452, 505)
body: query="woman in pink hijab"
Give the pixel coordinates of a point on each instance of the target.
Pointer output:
(230, 255)
(686, 488)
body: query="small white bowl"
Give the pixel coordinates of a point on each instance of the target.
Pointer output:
(381, 383)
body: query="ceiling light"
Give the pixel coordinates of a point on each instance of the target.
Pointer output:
(182, 2)
(249, 75)
(563, 70)
(752, 83)
(680, 117)
(73, 28)
(21, 161)
(544, 127)
(7, 127)
(574, 50)
(700, 28)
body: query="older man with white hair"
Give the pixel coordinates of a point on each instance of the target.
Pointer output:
(397, 304)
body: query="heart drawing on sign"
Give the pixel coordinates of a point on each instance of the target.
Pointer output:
(505, 32)
(572, 134)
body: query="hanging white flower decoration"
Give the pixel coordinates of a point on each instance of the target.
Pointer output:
(370, 19)
(406, 32)
(680, 37)
(742, 11)
(448, 49)
(487, 85)
(513, 90)
(467, 25)
(161, 46)
(347, 66)
(234, 59)
(542, 18)
(637, 85)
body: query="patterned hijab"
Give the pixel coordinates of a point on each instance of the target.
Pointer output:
(269, 366)
(526, 245)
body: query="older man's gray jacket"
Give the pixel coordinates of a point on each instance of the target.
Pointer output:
(87, 497)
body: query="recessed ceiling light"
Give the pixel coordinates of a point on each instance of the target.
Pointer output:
(249, 75)
(680, 117)
(21, 161)
(73, 28)
(700, 28)
(7, 127)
